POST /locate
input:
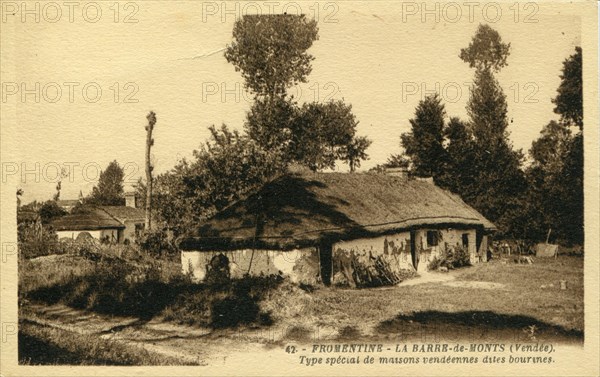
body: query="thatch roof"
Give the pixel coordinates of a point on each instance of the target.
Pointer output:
(301, 209)
(91, 219)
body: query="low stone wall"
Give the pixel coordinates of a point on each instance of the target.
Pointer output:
(301, 266)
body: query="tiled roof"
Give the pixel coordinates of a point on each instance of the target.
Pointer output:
(90, 219)
(124, 213)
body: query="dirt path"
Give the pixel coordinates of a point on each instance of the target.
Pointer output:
(201, 345)
(428, 277)
(185, 343)
(449, 279)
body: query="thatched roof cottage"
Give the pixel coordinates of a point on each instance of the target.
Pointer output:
(356, 229)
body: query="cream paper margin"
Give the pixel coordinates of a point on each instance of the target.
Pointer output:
(571, 360)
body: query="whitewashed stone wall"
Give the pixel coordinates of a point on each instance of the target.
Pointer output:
(300, 265)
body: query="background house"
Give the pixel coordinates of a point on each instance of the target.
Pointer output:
(95, 221)
(131, 218)
(337, 228)
(117, 224)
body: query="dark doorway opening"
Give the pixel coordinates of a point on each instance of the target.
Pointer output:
(414, 253)
(465, 240)
(217, 270)
(478, 239)
(326, 262)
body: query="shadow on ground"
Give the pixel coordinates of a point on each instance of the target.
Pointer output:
(34, 351)
(224, 305)
(482, 326)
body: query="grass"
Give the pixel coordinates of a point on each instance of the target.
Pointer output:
(222, 306)
(527, 305)
(119, 288)
(39, 345)
(523, 302)
(535, 290)
(144, 288)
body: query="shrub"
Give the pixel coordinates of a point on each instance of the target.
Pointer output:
(224, 305)
(158, 243)
(109, 284)
(218, 270)
(349, 333)
(298, 333)
(35, 240)
(451, 257)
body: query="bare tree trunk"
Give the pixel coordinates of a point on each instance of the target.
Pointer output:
(149, 143)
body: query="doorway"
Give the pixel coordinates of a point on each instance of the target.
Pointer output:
(414, 253)
(465, 241)
(326, 262)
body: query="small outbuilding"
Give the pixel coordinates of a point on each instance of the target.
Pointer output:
(353, 229)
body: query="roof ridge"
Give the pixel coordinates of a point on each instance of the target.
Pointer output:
(111, 216)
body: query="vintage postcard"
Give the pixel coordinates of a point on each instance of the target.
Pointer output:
(198, 188)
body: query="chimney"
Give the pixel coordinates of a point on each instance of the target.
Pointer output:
(130, 200)
(397, 172)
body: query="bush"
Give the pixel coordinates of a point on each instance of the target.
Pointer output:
(224, 305)
(158, 243)
(35, 240)
(452, 257)
(109, 284)
(113, 286)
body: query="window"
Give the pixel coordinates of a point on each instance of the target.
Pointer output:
(139, 229)
(433, 238)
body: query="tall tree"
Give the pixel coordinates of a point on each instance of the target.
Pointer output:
(487, 106)
(270, 120)
(500, 183)
(569, 104)
(109, 191)
(149, 143)
(549, 151)
(324, 133)
(542, 206)
(459, 173)
(556, 173)
(486, 52)
(424, 144)
(569, 101)
(271, 51)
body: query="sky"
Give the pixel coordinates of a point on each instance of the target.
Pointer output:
(97, 76)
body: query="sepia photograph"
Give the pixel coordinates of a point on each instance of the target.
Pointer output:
(299, 188)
